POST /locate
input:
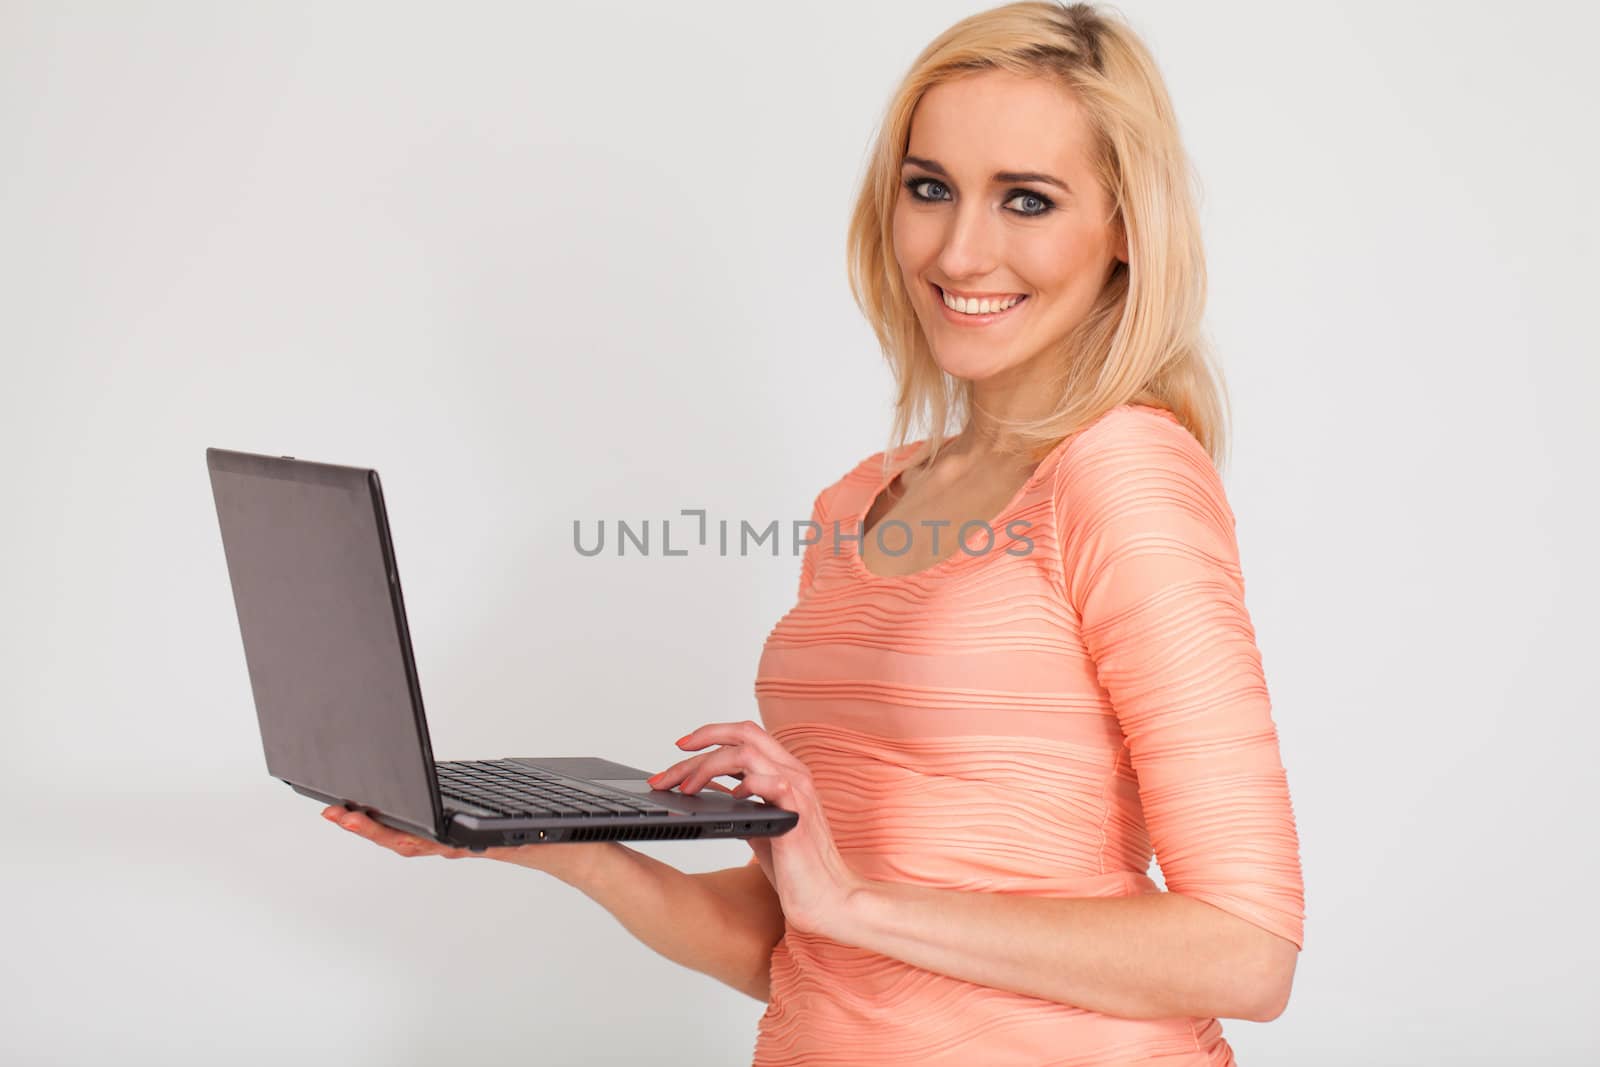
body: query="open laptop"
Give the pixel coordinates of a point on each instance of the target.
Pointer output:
(337, 698)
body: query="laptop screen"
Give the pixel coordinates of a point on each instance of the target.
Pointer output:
(323, 626)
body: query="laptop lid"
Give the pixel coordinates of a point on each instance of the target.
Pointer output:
(323, 624)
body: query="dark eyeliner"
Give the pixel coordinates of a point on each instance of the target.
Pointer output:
(916, 180)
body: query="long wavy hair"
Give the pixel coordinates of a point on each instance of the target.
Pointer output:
(1142, 340)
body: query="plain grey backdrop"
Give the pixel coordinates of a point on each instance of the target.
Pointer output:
(539, 263)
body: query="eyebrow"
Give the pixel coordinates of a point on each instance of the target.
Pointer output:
(1000, 176)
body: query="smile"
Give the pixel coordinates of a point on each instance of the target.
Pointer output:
(999, 308)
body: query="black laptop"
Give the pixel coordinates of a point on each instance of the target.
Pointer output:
(337, 698)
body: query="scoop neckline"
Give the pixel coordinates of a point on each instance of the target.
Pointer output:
(858, 566)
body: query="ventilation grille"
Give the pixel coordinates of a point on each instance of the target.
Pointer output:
(631, 833)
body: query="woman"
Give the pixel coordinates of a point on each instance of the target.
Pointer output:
(987, 733)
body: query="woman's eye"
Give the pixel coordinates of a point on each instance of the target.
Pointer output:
(1036, 205)
(1042, 206)
(915, 185)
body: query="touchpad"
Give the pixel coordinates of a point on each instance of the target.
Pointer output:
(626, 785)
(690, 803)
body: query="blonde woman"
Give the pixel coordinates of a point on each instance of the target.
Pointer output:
(1020, 664)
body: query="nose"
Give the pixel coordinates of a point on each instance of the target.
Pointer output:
(971, 243)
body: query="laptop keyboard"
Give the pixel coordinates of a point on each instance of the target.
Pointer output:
(517, 791)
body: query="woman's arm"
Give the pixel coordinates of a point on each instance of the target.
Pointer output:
(1152, 956)
(1150, 568)
(721, 923)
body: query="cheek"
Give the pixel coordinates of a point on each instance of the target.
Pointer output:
(1055, 263)
(915, 241)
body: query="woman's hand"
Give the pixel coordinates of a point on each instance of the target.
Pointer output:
(394, 840)
(811, 878)
(565, 861)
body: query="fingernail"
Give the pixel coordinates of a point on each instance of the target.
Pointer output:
(679, 742)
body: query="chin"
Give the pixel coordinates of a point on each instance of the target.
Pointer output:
(970, 371)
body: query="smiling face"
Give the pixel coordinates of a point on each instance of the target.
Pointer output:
(979, 216)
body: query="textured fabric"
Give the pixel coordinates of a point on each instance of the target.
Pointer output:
(1033, 719)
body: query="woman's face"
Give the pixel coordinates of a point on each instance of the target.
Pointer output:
(968, 223)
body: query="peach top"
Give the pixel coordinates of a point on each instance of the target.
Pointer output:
(1038, 718)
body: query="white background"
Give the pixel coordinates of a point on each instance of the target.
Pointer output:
(541, 263)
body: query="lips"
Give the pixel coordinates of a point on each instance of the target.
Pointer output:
(938, 294)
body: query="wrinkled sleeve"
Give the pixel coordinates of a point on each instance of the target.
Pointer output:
(1151, 566)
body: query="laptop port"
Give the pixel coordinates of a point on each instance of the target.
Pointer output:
(722, 827)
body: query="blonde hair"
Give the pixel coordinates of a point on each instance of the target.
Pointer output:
(1142, 340)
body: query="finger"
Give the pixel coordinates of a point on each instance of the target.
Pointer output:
(684, 770)
(701, 736)
(412, 845)
(395, 840)
(356, 822)
(748, 733)
(773, 788)
(725, 761)
(665, 779)
(675, 773)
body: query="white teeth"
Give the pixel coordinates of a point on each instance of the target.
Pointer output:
(977, 307)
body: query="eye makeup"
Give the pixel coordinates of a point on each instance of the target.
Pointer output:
(914, 183)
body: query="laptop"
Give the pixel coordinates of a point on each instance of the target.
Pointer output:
(328, 651)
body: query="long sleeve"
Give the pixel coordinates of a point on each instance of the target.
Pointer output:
(1077, 704)
(1150, 564)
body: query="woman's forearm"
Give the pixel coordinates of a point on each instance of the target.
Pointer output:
(1150, 956)
(706, 922)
